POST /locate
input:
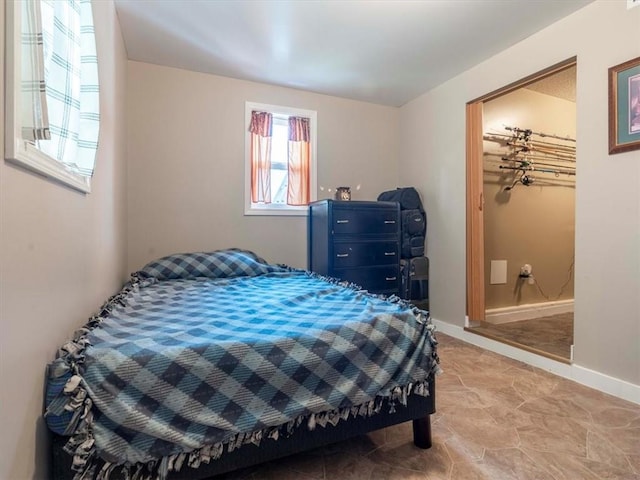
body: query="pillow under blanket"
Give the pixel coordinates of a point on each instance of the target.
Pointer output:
(218, 264)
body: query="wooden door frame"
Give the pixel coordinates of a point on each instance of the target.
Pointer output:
(475, 204)
(475, 197)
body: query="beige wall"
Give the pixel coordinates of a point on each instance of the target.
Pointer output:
(528, 224)
(432, 156)
(62, 254)
(186, 162)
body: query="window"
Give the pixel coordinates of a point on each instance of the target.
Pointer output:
(280, 160)
(52, 100)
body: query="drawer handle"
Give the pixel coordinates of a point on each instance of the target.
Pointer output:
(391, 279)
(390, 221)
(342, 255)
(342, 221)
(389, 254)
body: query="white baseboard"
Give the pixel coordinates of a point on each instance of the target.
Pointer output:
(585, 376)
(527, 312)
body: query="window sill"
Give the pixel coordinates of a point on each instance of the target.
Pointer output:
(27, 156)
(277, 211)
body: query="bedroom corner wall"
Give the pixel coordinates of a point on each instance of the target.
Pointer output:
(186, 162)
(607, 267)
(62, 254)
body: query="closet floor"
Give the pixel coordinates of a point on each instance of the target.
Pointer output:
(550, 336)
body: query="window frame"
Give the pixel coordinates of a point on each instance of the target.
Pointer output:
(278, 209)
(18, 150)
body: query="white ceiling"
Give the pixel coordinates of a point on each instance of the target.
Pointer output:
(378, 51)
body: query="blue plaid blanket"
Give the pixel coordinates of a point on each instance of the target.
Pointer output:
(206, 351)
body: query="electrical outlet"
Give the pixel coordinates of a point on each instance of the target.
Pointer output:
(526, 270)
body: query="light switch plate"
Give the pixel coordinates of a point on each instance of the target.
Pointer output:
(498, 272)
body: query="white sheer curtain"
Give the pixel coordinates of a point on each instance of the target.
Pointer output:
(71, 79)
(34, 114)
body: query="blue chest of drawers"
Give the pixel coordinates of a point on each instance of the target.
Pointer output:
(356, 241)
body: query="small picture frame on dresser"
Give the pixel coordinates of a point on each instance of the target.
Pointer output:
(343, 193)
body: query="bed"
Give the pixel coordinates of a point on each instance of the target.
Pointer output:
(208, 362)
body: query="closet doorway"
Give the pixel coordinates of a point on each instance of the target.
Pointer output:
(521, 172)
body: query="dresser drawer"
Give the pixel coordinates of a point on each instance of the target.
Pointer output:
(370, 221)
(362, 254)
(375, 279)
(356, 241)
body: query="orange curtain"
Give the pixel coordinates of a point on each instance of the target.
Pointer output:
(260, 128)
(299, 165)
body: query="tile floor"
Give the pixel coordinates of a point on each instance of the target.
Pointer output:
(497, 419)
(552, 335)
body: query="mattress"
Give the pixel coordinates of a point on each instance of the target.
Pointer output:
(200, 353)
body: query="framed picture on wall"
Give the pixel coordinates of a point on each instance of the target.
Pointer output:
(624, 106)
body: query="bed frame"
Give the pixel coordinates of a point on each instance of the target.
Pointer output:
(418, 410)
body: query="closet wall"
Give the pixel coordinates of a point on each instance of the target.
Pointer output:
(528, 224)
